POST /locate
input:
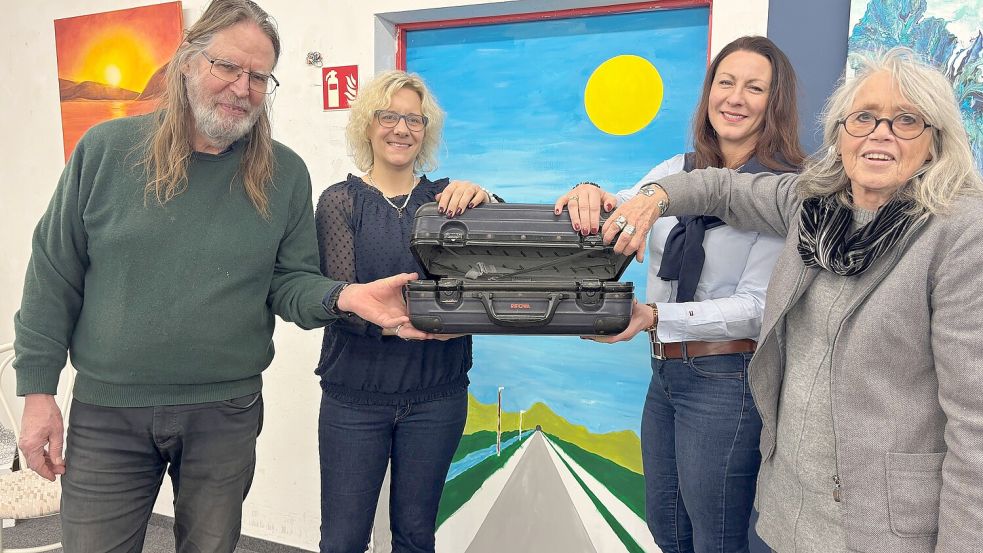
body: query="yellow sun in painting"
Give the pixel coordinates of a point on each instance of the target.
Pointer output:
(113, 75)
(623, 95)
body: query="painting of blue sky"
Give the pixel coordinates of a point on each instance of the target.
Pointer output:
(517, 124)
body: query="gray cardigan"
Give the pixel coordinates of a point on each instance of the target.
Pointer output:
(907, 367)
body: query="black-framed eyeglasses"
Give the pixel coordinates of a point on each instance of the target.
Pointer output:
(230, 73)
(390, 119)
(906, 126)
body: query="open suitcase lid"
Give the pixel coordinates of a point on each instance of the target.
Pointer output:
(504, 242)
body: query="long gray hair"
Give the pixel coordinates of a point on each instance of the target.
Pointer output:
(169, 146)
(936, 185)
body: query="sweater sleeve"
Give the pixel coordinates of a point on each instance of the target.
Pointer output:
(958, 353)
(297, 288)
(336, 244)
(748, 201)
(54, 284)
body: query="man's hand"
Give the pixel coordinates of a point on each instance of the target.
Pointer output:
(42, 435)
(379, 301)
(585, 202)
(460, 195)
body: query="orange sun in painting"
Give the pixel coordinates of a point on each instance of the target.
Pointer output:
(117, 57)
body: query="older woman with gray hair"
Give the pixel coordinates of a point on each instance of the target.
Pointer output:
(867, 373)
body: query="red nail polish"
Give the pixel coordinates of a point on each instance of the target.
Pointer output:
(440, 210)
(556, 211)
(471, 206)
(576, 227)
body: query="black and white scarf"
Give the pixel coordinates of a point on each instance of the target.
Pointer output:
(826, 239)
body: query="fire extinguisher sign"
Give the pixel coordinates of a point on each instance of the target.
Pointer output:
(340, 86)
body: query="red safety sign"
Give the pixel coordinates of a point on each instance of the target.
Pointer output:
(340, 86)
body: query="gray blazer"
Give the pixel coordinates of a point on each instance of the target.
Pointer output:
(907, 367)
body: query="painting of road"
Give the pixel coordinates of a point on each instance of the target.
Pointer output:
(112, 64)
(533, 108)
(948, 33)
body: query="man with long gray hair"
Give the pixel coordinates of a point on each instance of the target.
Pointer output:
(171, 242)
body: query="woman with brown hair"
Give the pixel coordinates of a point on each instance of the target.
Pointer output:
(706, 292)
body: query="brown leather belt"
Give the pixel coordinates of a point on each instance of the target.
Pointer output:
(685, 350)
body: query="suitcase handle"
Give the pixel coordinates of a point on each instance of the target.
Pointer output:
(521, 321)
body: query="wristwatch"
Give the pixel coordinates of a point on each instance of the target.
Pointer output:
(655, 317)
(330, 302)
(649, 190)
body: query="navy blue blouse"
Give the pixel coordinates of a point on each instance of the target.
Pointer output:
(362, 238)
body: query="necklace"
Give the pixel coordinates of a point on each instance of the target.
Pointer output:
(399, 208)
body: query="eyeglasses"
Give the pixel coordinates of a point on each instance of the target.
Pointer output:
(906, 126)
(390, 119)
(230, 73)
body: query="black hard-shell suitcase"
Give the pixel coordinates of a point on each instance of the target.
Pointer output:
(515, 269)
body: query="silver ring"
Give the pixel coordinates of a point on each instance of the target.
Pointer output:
(629, 230)
(398, 328)
(620, 222)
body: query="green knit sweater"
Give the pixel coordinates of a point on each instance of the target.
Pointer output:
(164, 305)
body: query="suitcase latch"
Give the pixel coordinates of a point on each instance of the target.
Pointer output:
(449, 291)
(589, 291)
(452, 238)
(592, 240)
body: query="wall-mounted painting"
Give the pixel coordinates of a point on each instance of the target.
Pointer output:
(533, 108)
(946, 32)
(112, 64)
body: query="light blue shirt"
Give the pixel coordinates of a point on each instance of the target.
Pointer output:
(730, 297)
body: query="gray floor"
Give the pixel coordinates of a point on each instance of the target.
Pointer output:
(160, 539)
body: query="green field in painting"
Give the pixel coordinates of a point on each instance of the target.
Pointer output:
(626, 485)
(622, 446)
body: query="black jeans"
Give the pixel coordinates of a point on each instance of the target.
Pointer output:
(115, 463)
(357, 443)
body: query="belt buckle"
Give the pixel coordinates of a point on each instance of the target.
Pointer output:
(658, 350)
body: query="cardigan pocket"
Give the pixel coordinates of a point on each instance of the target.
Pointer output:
(914, 489)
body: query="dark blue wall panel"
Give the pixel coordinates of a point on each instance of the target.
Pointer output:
(813, 33)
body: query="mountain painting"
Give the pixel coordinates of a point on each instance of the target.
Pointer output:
(112, 64)
(533, 108)
(946, 32)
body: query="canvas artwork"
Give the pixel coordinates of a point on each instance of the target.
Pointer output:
(551, 457)
(112, 64)
(946, 32)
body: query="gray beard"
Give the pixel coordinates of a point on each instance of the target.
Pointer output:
(220, 132)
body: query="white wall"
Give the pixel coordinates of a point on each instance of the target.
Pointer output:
(283, 505)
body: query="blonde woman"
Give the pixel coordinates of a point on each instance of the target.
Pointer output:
(386, 397)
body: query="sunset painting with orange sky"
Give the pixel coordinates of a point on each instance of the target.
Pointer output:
(112, 64)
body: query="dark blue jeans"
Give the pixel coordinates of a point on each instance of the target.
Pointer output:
(115, 462)
(356, 443)
(700, 432)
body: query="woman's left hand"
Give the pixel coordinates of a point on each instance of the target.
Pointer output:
(641, 318)
(458, 196)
